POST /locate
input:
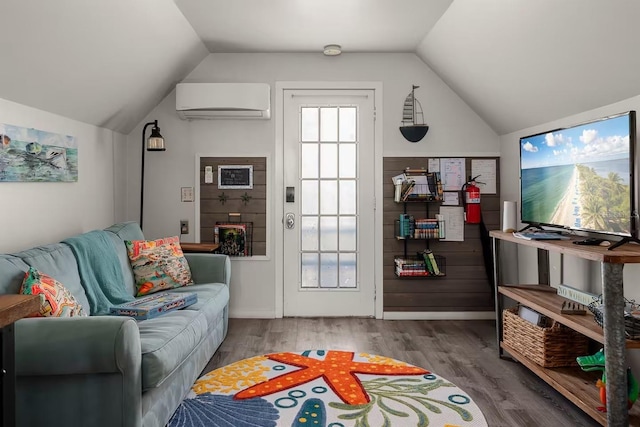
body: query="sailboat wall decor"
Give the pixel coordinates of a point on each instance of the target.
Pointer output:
(413, 127)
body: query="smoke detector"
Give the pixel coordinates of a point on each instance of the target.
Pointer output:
(332, 50)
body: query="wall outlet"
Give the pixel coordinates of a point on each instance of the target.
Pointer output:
(184, 226)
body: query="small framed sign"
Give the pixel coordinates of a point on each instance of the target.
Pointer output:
(235, 177)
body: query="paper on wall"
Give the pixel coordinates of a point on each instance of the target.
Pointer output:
(433, 165)
(451, 198)
(486, 168)
(452, 173)
(453, 223)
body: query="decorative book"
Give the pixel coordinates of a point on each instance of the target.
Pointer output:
(232, 239)
(154, 305)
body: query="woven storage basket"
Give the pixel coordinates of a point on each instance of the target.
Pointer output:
(548, 347)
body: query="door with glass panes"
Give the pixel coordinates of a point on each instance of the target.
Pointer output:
(329, 203)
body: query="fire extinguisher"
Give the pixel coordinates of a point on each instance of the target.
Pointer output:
(471, 200)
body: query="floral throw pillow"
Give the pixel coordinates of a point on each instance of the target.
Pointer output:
(55, 299)
(158, 265)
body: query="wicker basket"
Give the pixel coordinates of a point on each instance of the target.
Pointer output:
(550, 347)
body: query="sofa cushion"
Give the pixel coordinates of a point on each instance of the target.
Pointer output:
(158, 265)
(166, 343)
(57, 261)
(55, 299)
(212, 298)
(12, 271)
(129, 230)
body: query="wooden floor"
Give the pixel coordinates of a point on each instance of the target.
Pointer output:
(463, 352)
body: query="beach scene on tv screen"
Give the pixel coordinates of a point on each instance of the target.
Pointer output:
(578, 177)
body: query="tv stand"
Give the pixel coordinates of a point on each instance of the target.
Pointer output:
(623, 241)
(571, 381)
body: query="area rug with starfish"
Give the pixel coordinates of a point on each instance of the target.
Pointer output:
(325, 389)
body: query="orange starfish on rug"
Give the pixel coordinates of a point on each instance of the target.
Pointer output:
(337, 369)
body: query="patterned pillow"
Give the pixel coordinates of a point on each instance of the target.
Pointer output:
(55, 299)
(158, 265)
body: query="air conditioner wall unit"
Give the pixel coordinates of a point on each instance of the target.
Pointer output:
(223, 101)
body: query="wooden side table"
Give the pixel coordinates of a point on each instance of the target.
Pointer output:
(12, 308)
(199, 247)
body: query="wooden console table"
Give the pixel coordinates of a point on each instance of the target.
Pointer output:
(12, 308)
(199, 247)
(612, 335)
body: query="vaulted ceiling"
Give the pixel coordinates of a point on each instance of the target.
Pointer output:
(517, 63)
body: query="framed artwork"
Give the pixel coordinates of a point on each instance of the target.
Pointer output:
(235, 177)
(32, 155)
(232, 239)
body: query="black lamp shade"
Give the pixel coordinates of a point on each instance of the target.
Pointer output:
(155, 141)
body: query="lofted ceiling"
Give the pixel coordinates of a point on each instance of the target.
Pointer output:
(517, 63)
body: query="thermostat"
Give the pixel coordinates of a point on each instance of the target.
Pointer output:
(186, 194)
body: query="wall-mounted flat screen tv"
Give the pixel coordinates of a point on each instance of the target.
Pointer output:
(581, 177)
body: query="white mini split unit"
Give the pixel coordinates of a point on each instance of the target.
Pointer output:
(223, 101)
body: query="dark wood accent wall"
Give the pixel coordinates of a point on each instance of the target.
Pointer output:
(212, 210)
(467, 285)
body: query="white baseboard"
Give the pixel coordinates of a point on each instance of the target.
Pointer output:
(254, 314)
(439, 315)
(387, 315)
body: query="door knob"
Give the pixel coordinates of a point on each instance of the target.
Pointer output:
(289, 220)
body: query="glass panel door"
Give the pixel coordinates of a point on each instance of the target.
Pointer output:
(329, 161)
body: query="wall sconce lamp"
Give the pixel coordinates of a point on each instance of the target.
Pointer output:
(154, 143)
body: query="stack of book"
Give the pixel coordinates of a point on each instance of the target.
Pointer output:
(407, 226)
(425, 264)
(426, 228)
(410, 267)
(431, 263)
(407, 190)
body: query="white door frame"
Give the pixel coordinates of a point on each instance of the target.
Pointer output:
(278, 200)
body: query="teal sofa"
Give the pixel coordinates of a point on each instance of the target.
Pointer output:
(108, 370)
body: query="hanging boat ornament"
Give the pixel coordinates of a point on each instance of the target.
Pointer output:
(413, 127)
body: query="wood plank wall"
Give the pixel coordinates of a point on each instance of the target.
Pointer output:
(212, 210)
(467, 285)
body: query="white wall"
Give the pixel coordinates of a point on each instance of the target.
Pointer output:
(36, 213)
(454, 130)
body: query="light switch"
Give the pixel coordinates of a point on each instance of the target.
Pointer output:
(208, 174)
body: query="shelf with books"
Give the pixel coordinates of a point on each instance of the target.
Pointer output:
(423, 265)
(408, 227)
(418, 186)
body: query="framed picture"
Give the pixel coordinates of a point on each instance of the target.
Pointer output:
(232, 239)
(32, 155)
(235, 177)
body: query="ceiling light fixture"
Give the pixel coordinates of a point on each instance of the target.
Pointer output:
(332, 50)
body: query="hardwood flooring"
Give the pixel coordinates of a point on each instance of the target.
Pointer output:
(463, 352)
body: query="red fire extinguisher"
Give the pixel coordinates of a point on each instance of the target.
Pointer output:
(472, 201)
